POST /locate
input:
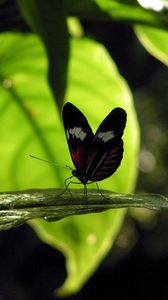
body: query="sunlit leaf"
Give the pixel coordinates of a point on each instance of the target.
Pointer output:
(48, 20)
(30, 124)
(125, 11)
(155, 41)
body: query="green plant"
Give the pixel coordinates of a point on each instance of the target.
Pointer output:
(81, 71)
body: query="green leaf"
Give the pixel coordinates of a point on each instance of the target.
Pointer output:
(54, 204)
(155, 41)
(96, 87)
(125, 11)
(48, 20)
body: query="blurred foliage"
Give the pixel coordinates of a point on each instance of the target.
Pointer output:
(92, 81)
(155, 40)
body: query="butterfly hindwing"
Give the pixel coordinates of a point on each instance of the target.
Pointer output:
(106, 151)
(79, 135)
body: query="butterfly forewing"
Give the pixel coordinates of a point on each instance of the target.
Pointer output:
(112, 126)
(106, 151)
(79, 135)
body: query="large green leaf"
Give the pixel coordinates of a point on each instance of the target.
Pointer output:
(155, 40)
(30, 124)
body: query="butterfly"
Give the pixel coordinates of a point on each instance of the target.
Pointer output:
(95, 156)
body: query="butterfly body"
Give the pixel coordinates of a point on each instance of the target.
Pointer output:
(81, 177)
(95, 156)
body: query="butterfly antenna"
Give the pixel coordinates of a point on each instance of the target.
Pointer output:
(68, 167)
(49, 162)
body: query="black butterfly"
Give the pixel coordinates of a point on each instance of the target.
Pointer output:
(95, 157)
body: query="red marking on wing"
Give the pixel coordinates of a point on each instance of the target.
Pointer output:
(78, 155)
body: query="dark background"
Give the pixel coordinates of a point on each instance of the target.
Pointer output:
(137, 267)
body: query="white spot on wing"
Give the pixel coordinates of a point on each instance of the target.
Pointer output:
(76, 132)
(106, 136)
(67, 134)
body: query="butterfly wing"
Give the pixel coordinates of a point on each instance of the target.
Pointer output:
(79, 135)
(106, 151)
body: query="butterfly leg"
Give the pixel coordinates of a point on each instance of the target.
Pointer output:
(66, 185)
(85, 192)
(65, 182)
(100, 191)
